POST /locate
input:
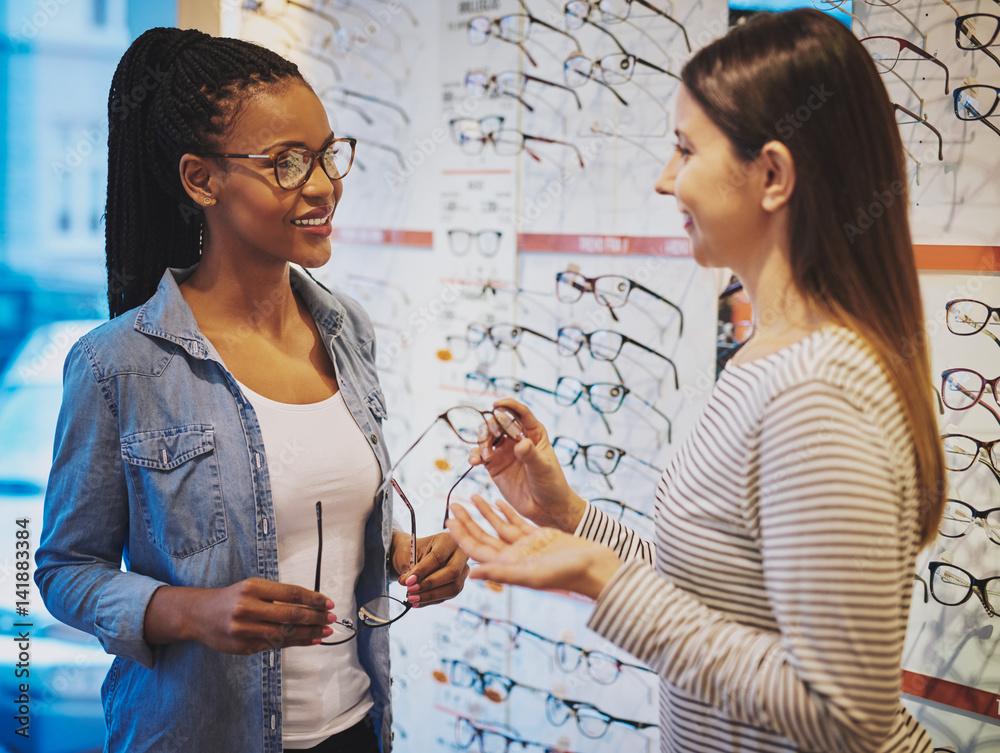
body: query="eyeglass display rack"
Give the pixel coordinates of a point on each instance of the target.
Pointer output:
(435, 234)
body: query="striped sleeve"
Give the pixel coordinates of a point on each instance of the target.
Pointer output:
(596, 525)
(825, 509)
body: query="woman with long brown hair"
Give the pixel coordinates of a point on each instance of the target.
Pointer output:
(774, 603)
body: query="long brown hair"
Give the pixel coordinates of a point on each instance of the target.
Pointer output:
(802, 78)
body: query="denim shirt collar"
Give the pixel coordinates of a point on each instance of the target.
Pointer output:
(167, 315)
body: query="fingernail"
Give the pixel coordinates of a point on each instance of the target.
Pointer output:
(414, 599)
(411, 579)
(327, 631)
(331, 618)
(329, 605)
(413, 588)
(486, 452)
(316, 641)
(483, 431)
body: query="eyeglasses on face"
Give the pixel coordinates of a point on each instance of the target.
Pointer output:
(952, 585)
(963, 388)
(611, 291)
(603, 345)
(959, 517)
(381, 611)
(961, 451)
(294, 166)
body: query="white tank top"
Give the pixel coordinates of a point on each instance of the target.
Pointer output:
(317, 453)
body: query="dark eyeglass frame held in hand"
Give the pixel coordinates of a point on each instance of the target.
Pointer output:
(329, 157)
(379, 612)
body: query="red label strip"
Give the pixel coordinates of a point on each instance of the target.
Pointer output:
(952, 694)
(372, 236)
(614, 245)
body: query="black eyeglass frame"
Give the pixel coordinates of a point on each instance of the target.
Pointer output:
(976, 585)
(362, 624)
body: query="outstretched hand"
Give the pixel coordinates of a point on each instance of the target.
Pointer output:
(528, 474)
(522, 554)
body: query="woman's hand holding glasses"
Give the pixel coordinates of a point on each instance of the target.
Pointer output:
(528, 473)
(440, 570)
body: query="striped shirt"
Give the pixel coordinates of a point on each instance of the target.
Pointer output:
(774, 602)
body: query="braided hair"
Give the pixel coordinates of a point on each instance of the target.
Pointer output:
(174, 92)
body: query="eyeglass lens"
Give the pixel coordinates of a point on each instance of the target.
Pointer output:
(959, 517)
(966, 316)
(962, 388)
(961, 451)
(293, 166)
(951, 585)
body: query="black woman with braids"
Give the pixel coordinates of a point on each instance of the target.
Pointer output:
(203, 425)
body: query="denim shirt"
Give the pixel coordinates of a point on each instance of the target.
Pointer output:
(159, 463)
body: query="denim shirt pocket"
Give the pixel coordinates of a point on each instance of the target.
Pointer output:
(175, 476)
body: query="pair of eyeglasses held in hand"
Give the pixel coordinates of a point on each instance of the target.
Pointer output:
(381, 611)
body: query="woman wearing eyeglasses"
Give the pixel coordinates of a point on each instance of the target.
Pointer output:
(774, 602)
(202, 427)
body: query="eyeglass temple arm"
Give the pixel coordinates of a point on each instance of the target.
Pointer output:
(540, 22)
(656, 10)
(606, 85)
(388, 480)
(923, 120)
(927, 56)
(570, 89)
(658, 412)
(374, 100)
(672, 364)
(674, 306)
(413, 524)
(656, 68)
(319, 551)
(544, 140)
